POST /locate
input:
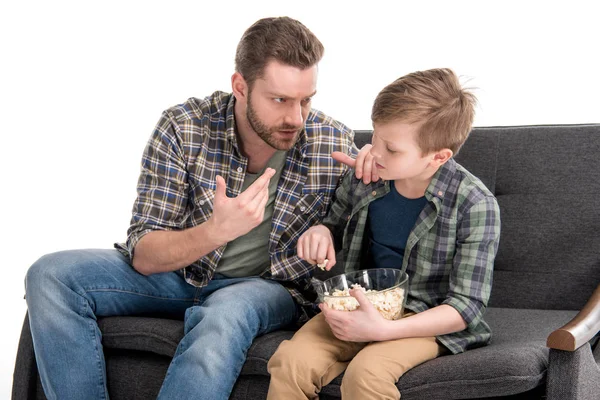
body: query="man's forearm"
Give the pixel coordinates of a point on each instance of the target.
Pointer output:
(436, 321)
(164, 251)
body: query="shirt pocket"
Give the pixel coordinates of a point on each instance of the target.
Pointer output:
(443, 237)
(309, 210)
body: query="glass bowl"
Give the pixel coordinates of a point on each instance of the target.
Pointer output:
(385, 288)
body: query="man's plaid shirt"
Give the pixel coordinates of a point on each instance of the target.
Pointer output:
(450, 251)
(196, 141)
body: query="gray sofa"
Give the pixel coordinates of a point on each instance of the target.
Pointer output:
(547, 181)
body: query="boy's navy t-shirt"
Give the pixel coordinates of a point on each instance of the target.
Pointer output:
(391, 218)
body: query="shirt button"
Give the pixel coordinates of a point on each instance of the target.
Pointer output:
(348, 218)
(373, 193)
(440, 193)
(201, 202)
(240, 170)
(302, 208)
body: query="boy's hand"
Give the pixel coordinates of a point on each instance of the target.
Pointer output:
(364, 165)
(234, 217)
(364, 324)
(316, 245)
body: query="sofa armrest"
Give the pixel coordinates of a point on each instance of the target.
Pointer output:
(580, 329)
(573, 375)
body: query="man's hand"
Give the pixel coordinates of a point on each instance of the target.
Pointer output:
(234, 217)
(315, 245)
(365, 324)
(364, 165)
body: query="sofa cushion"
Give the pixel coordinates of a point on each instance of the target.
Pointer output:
(514, 362)
(157, 335)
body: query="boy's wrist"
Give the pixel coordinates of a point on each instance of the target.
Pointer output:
(388, 331)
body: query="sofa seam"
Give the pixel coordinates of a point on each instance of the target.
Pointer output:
(138, 334)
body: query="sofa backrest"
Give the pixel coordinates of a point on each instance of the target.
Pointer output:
(547, 182)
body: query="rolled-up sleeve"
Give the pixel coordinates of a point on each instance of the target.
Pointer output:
(478, 236)
(162, 189)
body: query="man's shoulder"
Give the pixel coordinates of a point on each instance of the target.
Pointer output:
(211, 107)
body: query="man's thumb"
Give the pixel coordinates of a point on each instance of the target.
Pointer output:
(343, 158)
(220, 192)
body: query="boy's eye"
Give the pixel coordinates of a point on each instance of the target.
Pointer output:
(390, 150)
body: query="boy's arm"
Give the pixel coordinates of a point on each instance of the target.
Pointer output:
(478, 236)
(365, 324)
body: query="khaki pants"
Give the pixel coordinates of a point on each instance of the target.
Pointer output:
(314, 357)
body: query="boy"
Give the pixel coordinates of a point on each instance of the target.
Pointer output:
(428, 216)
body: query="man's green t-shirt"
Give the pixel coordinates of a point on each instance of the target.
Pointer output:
(249, 254)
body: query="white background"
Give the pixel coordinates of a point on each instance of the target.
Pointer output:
(83, 83)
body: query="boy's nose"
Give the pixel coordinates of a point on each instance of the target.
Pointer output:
(374, 153)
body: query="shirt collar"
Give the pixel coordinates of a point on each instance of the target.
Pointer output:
(441, 180)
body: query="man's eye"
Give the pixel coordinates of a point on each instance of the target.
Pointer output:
(279, 100)
(390, 150)
(307, 100)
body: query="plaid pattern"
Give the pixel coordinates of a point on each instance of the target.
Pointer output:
(196, 141)
(450, 251)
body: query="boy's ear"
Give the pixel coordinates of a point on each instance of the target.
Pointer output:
(239, 87)
(440, 157)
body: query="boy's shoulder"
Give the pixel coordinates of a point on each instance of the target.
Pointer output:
(471, 182)
(459, 189)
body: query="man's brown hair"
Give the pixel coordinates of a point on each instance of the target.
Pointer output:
(435, 100)
(282, 39)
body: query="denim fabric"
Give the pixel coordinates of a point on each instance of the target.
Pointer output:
(67, 291)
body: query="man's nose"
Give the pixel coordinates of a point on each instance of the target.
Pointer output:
(294, 115)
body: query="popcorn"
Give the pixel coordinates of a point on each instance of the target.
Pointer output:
(323, 264)
(387, 302)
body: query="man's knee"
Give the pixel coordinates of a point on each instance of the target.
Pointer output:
(48, 269)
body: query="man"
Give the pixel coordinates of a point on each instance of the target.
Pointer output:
(228, 184)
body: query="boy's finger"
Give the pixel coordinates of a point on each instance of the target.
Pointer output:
(330, 257)
(367, 169)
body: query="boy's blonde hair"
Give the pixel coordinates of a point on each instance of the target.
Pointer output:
(435, 100)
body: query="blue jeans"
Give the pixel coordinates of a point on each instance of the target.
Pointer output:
(67, 291)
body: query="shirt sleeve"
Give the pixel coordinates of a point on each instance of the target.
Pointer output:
(337, 217)
(162, 189)
(478, 236)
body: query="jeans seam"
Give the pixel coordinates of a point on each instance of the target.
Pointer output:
(137, 293)
(95, 339)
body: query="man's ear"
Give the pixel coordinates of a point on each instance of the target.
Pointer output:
(239, 87)
(440, 157)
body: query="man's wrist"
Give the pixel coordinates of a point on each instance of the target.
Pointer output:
(210, 232)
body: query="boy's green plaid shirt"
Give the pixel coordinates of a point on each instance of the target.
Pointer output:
(450, 251)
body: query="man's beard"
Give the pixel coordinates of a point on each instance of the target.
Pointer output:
(266, 133)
